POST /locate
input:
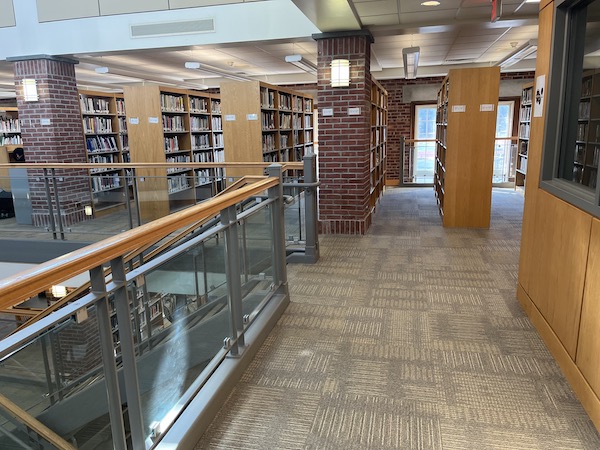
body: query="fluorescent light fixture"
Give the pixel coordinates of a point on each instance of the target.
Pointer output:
(30, 93)
(301, 63)
(410, 58)
(101, 69)
(430, 3)
(525, 50)
(213, 70)
(340, 73)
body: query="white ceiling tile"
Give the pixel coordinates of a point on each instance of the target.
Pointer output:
(377, 8)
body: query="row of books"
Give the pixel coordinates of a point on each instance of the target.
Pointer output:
(215, 106)
(120, 106)
(170, 102)
(267, 98)
(524, 129)
(525, 115)
(200, 141)
(94, 105)
(268, 120)
(584, 110)
(285, 101)
(178, 183)
(10, 126)
(11, 140)
(103, 159)
(526, 96)
(268, 143)
(586, 87)
(122, 125)
(219, 140)
(198, 105)
(173, 123)
(199, 123)
(596, 157)
(171, 144)
(101, 143)
(285, 120)
(92, 125)
(105, 182)
(217, 124)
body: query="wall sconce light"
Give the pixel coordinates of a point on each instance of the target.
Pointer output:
(30, 93)
(59, 291)
(340, 73)
(88, 210)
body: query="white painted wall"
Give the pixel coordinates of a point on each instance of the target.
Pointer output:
(254, 21)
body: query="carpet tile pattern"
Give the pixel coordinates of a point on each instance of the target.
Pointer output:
(410, 337)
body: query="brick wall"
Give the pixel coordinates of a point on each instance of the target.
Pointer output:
(77, 348)
(344, 140)
(60, 141)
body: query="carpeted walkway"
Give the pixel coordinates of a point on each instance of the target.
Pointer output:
(410, 337)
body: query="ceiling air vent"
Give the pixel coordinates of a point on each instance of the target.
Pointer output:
(173, 28)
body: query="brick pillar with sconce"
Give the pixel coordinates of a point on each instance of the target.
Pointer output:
(52, 132)
(344, 134)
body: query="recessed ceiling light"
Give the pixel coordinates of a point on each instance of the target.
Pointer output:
(430, 3)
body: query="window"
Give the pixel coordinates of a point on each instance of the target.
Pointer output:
(424, 147)
(503, 149)
(572, 136)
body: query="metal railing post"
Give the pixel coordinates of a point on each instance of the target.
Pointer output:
(132, 388)
(311, 210)
(234, 284)
(117, 425)
(278, 224)
(49, 201)
(58, 209)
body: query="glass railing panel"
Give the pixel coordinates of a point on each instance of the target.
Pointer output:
(184, 301)
(256, 262)
(58, 379)
(294, 214)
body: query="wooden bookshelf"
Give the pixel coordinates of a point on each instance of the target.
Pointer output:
(466, 128)
(587, 140)
(10, 127)
(378, 157)
(103, 143)
(525, 112)
(174, 126)
(263, 122)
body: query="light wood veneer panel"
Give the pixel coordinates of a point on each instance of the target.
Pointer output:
(243, 137)
(527, 261)
(559, 257)
(146, 145)
(470, 143)
(588, 351)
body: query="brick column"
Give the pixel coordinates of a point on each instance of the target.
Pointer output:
(52, 133)
(344, 139)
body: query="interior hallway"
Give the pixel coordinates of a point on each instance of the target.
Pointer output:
(410, 337)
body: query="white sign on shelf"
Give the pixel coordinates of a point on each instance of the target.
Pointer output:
(354, 111)
(134, 120)
(251, 116)
(538, 100)
(45, 121)
(459, 108)
(152, 119)
(229, 117)
(486, 107)
(327, 112)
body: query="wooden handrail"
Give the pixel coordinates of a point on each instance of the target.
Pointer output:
(131, 255)
(34, 424)
(26, 284)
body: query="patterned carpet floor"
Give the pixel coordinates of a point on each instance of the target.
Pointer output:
(410, 337)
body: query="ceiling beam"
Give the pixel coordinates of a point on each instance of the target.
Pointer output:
(330, 15)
